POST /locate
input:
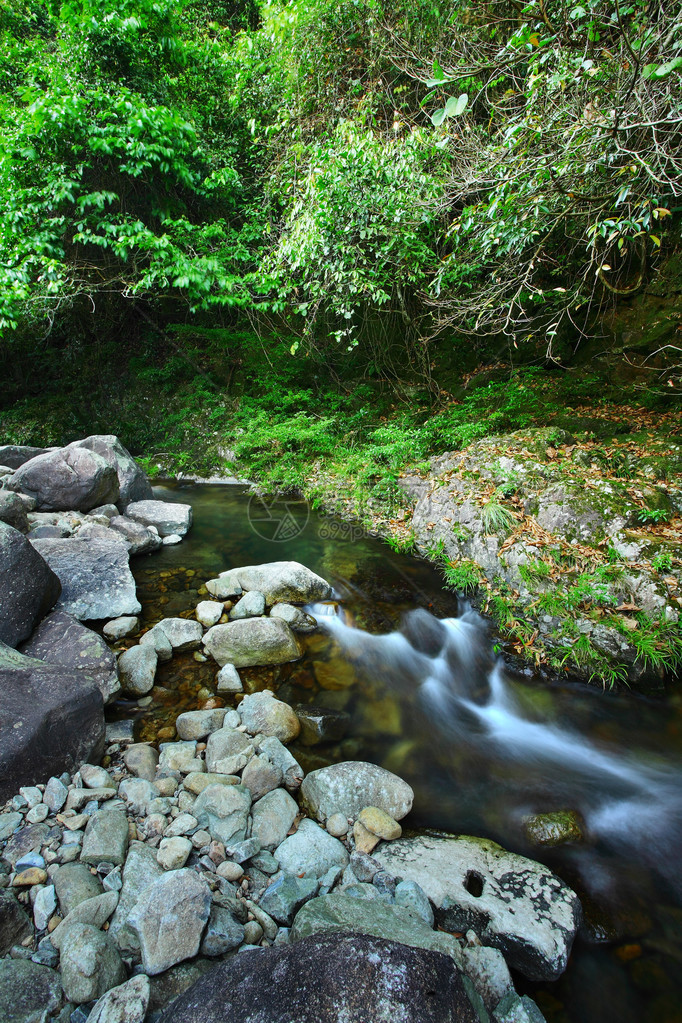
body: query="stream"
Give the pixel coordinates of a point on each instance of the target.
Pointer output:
(410, 678)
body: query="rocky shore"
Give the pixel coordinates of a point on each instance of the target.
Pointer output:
(210, 878)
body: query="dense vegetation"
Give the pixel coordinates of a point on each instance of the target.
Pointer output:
(327, 233)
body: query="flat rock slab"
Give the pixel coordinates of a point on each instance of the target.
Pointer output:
(351, 978)
(168, 517)
(511, 902)
(106, 838)
(252, 641)
(95, 576)
(28, 586)
(352, 785)
(67, 479)
(61, 639)
(51, 720)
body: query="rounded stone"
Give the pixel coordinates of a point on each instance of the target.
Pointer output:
(173, 853)
(380, 823)
(337, 825)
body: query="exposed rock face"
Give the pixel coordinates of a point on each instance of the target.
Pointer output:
(512, 903)
(132, 481)
(168, 518)
(66, 479)
(28, 586)
(95, 576)
(349, 787)
(51, 720)
(353, 978)
(61, 639)
(252, 641)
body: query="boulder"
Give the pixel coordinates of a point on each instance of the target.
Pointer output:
(223, 811)
(354, 978)
(141, 760)
(132, 481)
(74, 884)
(12, 511)
(262, 714)
(281, 582)
(223, 933)
(209, 612)
(120, 628)
(90, 963)
(28, 586)
(311, 851)
(61, 639)
(28, 993)
(197, 724)
(350, 786)
(555, 828)
(168, 517)
(273, 816)
(228, 751)
(137, 669)
(252, 641)
(14, 455)
(140, 871)
(139, 538)
(511, 902)
(321, 724)
(95, 575)
(295, 617)
(94, 912)
(182, 633)
(66, 479)
(169, 918)
(251, 605)
(106, 838)
(51, 720)
(285, 896)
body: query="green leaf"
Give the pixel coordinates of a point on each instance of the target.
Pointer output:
(456, 105)
(438, 117)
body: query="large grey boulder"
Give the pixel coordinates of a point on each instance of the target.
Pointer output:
(169, 919)
(351, 978)
(14, 455)
(61, 639)
(95, 575)
(310, 851)
(12, 511)
(28, 993)
(132, 481)
(70, 478)
(252, 641)
(511, 902)
(168, 517)
(51, 720)
(28, 586)
(279, 581)
(352, 785)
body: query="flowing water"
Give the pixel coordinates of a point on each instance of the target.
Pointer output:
(408, 679)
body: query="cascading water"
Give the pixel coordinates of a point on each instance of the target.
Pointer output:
(448, 668)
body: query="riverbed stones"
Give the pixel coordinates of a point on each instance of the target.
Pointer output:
(28, 586)
(9, 822)
(173, 852)
(251, 642)
(90, 963)
(285, 896)
(228, 680)
(223, 810)
(141, 760)
(120, 628)
(278, 754)
(14, 922)
(157, 639)
(44, 906)
(283, 582)
(251, 605)
(106, 838)
(354, 978)
(350, 786)
(169, 918)
(94, 912)
(167, 517)
(73, 884)
(67, 478)
(52, 720)
(228, 751)
(140, 539)
(197, 724)
(141, 870)
(94, 573)
(511, 902)
(261, 776)
(311, 851)
(380, 823)
(61, 639)
(126, 1003)
(29, 993)
(263, 714)
(321, 724)
(272, 817)
(223, 933)
(209, 612)
(137, 669)
(180, 756)
(132, 481)
(555, 828)
(295, 617)
(183, 633)
(14, 455)
(138, 794)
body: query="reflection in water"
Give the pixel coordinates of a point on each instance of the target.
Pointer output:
(467, 697)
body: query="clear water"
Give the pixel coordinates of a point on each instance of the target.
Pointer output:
(481, 748)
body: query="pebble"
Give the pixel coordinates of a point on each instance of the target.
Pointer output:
(229, 870)
(27, 878)
(337, 825)
(173, 853)
(29, 859)
(253, 932)
(32, 795)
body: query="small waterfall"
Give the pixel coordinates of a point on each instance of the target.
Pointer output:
(447, 667)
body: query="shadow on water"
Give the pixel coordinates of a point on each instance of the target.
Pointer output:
(411, 683)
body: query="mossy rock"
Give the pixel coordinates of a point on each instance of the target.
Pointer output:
(556, 828)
